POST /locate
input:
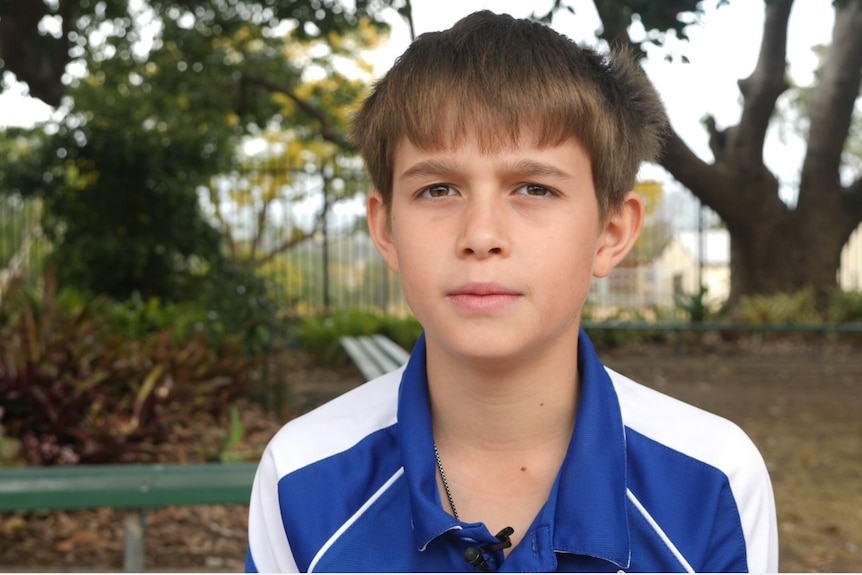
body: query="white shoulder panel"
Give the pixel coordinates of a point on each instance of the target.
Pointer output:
(717, 442)
(337, 425)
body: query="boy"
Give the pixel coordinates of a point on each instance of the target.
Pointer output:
(502, 155)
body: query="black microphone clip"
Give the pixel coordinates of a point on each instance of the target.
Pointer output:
(476, 556)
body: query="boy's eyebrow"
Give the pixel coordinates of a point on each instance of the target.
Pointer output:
(429, 168)
(532, 168)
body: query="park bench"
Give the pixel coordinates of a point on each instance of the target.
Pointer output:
(136, 487)
(374, 355)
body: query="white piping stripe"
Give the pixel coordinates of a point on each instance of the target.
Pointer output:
(659, 531)
(379, 493)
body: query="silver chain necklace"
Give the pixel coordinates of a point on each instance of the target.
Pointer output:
(475, 556)
(445, 483)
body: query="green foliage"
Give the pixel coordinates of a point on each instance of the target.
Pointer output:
(661, 20)
(320, 334)
(230, 451)
(239, 304)
(144, 133)
(227, 303)
(120, 206)
(694, 306)
(10, 448)
(609, 337)
(799, 307)
(138, 318)
(74, 391)
(40, 39)
(844, 307)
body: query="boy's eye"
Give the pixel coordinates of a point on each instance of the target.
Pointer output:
(438, 191)
(534, 190)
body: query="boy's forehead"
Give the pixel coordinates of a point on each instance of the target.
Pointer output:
(524, 155)
(526, 140)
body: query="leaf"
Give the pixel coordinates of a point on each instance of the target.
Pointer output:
(236, 431)
(147, 389)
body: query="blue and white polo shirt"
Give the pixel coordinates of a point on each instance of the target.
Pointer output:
(649, 484)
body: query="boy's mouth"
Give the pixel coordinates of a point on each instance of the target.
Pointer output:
(482, 289)
(483, 297)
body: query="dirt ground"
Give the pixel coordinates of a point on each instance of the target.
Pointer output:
(800, 402)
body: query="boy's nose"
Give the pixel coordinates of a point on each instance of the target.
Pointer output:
(483, 231)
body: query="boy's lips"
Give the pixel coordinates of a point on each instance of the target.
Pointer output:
(483, 296)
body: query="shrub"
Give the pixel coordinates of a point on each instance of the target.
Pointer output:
(73, 390)
(844, 306)
(782, 308)
(694, 307)
(320, 334)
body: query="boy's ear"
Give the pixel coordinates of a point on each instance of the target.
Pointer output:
(621, 231)
(379, 226)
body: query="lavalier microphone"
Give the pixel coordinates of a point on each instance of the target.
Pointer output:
(477, 556)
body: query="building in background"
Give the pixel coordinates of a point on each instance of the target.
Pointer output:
(850, 272)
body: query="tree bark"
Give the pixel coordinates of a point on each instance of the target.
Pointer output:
(38, 61)
(775, 247)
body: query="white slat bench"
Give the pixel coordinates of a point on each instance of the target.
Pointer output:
(374, 355)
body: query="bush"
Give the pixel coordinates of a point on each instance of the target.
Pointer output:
(74, 391)
(844, 307)
(320, 334)
(694, 307)
(794, 308)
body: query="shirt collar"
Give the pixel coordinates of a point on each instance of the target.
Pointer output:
(586, 510)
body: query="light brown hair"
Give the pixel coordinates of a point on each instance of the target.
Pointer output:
(493, 76)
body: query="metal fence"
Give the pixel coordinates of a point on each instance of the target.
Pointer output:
(309, 238)
(22, 245)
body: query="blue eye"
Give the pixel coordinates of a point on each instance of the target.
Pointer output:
(438, 191)
(535, 190)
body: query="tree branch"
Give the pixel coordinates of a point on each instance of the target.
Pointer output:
(766, 83)
(834, 98)
(22, 49)
(701, 178)
(327, 131)
(260, 227)
(615, 26)
(406, 13)
(853, 199)
(287, 244)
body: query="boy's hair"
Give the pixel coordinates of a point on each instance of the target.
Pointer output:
(496, 76)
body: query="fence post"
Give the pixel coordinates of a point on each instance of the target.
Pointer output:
(133, 556)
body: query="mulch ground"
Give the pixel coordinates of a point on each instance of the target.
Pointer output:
(800, 402)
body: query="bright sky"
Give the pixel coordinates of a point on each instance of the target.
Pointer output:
(722, 50)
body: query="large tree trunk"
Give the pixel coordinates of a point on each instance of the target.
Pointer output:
(37, 60)
(781, 256)
(776, 248)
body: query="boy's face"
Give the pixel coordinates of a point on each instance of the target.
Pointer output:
(496, 251)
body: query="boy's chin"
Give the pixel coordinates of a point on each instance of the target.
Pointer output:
(496, 348)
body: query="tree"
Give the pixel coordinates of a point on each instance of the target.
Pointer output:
(774, 247)
(148, 125)
(40, 38)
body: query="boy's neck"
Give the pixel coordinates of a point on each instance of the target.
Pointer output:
(502, 433)
(492, 406)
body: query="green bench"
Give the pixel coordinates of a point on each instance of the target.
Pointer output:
(135, 487)
(374, 355)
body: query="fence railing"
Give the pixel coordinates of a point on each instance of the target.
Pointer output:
(334, 263)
